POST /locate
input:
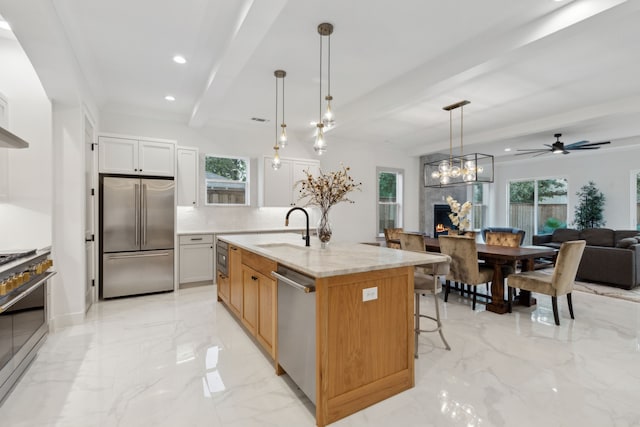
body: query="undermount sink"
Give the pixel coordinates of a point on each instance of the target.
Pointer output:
(280, 245)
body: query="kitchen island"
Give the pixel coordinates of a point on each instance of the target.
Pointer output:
(364, 348)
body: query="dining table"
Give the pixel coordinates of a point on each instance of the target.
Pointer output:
(498, 256)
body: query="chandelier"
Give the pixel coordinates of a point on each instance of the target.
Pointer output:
(281, 140)
(462, 169)
(326, 120)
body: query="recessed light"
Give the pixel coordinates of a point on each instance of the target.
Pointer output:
(179, 59)
(170, 98)
(507, 149)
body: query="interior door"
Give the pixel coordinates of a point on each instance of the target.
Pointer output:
(89, 220)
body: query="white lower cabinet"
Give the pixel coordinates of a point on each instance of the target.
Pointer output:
(196, 258)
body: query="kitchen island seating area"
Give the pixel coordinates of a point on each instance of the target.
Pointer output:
(364, 314)
(423, 284)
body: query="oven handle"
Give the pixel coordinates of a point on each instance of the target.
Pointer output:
(26, 292)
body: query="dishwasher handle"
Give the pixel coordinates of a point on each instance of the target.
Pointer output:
(284, 279)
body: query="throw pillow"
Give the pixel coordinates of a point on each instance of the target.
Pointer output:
(626, 242)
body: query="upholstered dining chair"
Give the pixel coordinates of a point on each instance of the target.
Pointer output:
(504, 238)
(557, 284)
(424, 284)
(464, 264)
(392, 234)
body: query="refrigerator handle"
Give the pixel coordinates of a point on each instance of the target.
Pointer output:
(144, 214)
(136, 203)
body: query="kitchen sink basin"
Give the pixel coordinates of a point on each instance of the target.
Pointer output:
(281, 245)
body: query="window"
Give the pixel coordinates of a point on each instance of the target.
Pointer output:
(637, 198)
(479, 198)
(538, 206)
(389, 199)
(226, 180)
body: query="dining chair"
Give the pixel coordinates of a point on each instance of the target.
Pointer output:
(392, 234)
(503, 238)
(424, 284)
(464, 264)
(557, 284)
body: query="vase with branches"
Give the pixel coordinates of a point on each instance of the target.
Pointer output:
(324, 191)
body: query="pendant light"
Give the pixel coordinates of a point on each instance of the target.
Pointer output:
(326, 121)
(462, 169)
(281, 141)
(281, 74)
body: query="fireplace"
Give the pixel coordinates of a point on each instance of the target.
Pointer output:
(441, 221)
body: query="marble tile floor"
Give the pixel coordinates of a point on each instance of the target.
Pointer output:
(180, 359)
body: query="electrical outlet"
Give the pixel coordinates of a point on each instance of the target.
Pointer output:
(369, 294)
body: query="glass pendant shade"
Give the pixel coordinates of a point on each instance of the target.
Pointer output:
(275, 163)
(282, 142)
(320, 145)
(328, 120)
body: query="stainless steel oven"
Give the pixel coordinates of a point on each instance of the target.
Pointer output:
(222, 257)
(23, 314)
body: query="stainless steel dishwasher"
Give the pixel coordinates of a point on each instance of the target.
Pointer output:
(297, 328)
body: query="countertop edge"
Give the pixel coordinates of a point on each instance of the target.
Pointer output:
(400, 258)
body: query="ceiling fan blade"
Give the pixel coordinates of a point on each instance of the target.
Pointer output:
(540, 154)
(582, 144)
(536, 152)
(582, 148)
(532, 151)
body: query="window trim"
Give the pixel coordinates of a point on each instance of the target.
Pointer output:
(633, 199)
(535, 198)
(247, 188)
(399, 195)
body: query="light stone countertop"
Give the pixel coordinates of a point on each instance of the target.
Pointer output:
(337, 259)
(242, 231)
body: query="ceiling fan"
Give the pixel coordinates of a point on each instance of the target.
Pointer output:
(559, 147)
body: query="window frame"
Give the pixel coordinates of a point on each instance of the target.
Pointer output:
(247, 192)
(399, 197)
(634, 200)
(535, 181)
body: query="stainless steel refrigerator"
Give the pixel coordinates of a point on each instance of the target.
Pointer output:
(136, 235)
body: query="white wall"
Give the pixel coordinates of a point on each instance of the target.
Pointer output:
(25, 217)
(609, 168)
(350, 222)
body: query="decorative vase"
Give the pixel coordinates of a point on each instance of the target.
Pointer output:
(324, 228)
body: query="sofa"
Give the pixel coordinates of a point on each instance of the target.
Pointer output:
(611, 257)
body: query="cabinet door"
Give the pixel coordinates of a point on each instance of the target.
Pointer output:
(187, 176)
(223, 287)
(118, 155)
(235, 280)
(250, 289)
(156, 158)
(267, 314)
(196, 263)
(299, 169)
(277, 188)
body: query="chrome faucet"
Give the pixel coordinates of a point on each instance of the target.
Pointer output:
(286, 223)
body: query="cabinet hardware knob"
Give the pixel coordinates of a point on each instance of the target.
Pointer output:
(254, 278)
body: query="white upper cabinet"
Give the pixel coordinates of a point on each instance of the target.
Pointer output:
(136, 156)
(187, 176)
(278, 185)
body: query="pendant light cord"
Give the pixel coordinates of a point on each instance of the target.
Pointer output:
(276, 123)
(320, 98)
(329, 67)
(282, 101)
(450, 137)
